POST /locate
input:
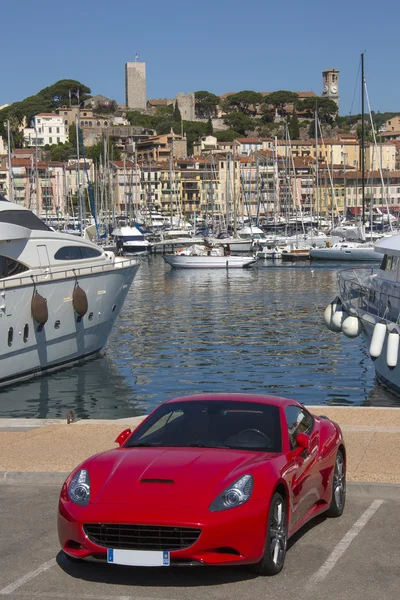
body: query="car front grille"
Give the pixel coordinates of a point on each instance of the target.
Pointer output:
(141, 537)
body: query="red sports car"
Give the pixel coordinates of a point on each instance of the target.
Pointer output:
(215, 479)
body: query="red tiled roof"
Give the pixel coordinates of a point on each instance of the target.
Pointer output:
(47, 115)
(248, 140)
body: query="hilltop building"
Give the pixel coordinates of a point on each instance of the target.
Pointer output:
(330, 85)
(135, 84)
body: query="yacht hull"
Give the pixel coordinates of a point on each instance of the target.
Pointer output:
(30, 350)
(345, 254)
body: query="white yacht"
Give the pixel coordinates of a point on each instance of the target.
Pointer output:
(369, 304)
(130, 240)
(59, 295)
(170, 240)
(346, 251)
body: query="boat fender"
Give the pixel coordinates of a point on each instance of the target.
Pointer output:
(352, 327)
(377, 340)
(80, 301)
(329, 312)
(338, 318)
(39, 308)
(392, 350)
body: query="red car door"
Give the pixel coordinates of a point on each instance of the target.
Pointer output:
(302, 473)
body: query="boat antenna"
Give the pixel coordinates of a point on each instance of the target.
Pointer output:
(362, 160)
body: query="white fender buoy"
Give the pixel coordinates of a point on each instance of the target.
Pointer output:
(328, 314)
(377, 340)
(338, 318)
(351, 327)
(392, 349)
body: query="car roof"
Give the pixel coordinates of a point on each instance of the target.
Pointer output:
(260, 398)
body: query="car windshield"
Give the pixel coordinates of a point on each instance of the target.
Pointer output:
(212, 424)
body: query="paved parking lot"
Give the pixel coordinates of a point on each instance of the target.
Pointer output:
(355, 557)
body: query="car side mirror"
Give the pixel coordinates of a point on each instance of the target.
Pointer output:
(123, 436)
(303, 442)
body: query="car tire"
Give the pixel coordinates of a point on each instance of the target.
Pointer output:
(276, 539)
(338, 499)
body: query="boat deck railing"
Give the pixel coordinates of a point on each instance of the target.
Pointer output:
(53, 274)
(379, 298)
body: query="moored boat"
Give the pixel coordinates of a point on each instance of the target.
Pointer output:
(202, 257)
(368, 303)
(60, 295)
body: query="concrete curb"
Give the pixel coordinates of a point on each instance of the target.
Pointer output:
(363, 489)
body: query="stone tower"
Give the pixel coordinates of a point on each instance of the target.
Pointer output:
(186, 105)
(135, 84)
(330, 84)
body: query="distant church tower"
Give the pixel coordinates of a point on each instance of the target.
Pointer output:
(330, 84)
(135, 84)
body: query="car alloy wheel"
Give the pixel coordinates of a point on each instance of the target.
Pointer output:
(277, 533)
(276, 539)
(338, 487)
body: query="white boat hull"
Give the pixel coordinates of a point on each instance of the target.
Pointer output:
(345, 254)
(209, 262)
(28, 350)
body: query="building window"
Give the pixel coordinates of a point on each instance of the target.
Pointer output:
(58, 130)
(50, 131)
(58, 140)
(50, 140)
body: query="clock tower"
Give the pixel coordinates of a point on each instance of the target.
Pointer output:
(330, 84)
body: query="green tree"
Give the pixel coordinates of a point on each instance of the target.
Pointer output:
(62, 152)
(205, 104)
(327, 108)
(46, 100)
(239, 122)
(245, 102)
(294, 129)
(96, 152)
(177, 114)
(280, 99)
(226, 135)
(210, 128)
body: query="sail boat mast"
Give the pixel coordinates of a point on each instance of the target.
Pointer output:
(362, 160)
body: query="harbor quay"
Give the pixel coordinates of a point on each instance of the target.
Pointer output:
(45, 451)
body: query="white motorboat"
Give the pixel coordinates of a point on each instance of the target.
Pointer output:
(269, 251)
(171, 240)
(346, 251)
(59, 295)
(130, 240)
(201, 257)
(369, 304)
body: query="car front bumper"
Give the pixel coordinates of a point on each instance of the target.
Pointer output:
(227, 537)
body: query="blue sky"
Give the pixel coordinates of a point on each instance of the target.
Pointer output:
(215, 45)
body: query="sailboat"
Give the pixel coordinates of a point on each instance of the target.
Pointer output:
(353, 250)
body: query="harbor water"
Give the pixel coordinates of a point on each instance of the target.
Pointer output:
(191, 331)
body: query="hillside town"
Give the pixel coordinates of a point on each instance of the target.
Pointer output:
(219, 173)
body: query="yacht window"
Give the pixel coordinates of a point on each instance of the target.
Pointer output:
(23, 218)
(76, 253)
(390, 264)
(10, 267)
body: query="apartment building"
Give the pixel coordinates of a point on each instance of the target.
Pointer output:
(48, 129)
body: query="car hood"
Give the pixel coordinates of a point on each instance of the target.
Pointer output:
(142, 476)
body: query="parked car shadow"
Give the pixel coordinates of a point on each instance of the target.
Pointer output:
(154, 577)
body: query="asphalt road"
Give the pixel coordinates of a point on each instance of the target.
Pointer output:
(355, 557)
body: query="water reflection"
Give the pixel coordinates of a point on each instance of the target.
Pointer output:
(258, 330)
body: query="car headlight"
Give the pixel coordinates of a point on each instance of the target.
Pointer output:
(79, 488)
(234, 495)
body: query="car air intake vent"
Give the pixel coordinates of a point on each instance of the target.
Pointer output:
(141, 537)
(157, 481)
